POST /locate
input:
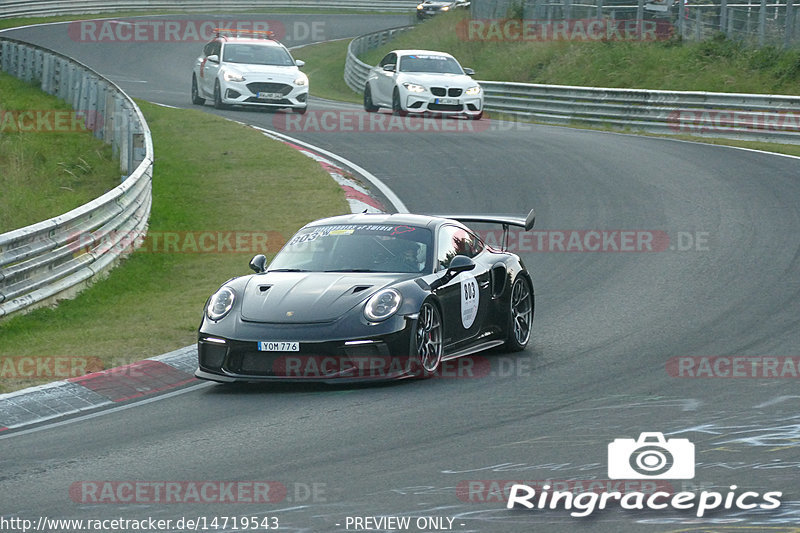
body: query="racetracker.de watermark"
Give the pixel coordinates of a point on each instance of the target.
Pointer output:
(358, 121)
(379, 366)
(179, 242)
(498, 490)
(596, 240)
(591, 29)
(727, 121)
(176, 492)
(740, 366)
(48, 366)
(49, 121)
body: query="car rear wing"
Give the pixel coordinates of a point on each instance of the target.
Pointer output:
(505, 220)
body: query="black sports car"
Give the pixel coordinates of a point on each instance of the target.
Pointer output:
(368, 296)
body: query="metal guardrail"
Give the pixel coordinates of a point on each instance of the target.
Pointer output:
(33, 8)
(752, 117)
(55, 258)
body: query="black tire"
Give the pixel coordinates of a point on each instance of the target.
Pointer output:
(427, 345)
(196, 99)
(397, 109)
(369, 107)
(218, 97)
(301, 110)
(477, 117)
(520, 314)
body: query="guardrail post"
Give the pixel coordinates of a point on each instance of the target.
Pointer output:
(762, 22)
(698, 28)
(681, 18)
(723, 13)
(599, 9)
(789, 33)
(640, 15)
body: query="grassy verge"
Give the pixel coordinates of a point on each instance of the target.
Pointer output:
(210, 175)
(325, 70)
(47, 166)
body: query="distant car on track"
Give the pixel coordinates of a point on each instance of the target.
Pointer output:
(423, 81)
(429, 8)
(371, 296)
(249, 68)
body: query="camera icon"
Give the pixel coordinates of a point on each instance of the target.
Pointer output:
(651, 457)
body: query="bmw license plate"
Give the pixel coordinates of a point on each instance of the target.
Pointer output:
(278, 346)
(269, 96)
(447, 101)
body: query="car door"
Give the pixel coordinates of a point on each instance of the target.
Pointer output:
(465, 298)
(383, 85)
(209, 69)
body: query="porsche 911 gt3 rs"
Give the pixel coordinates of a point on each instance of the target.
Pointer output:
(368, 296)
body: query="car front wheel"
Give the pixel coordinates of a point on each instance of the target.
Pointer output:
(520, 315)
(397, 109)
(427, 346)
(369, 106)
(196, 99)
(218, 97)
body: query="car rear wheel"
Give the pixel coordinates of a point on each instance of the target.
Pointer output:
(427, 352)
(397, 109)
(520, 315)
(196, 99)
(369, 107)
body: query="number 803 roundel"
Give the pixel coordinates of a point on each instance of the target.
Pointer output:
(369, 296)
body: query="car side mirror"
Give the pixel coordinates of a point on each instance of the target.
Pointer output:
(389, 68)
(299, 62)
(459, 264)
(469, 71)
(259, 263)
(213, 58)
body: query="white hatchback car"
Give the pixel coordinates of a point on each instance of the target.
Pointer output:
(420, 81)
(249, 68)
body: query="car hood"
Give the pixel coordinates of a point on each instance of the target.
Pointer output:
(266, 72)
(304, 297)
(429, 80)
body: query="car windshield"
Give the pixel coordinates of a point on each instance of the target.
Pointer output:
(357, 248)
(256, 54)
(430, 63)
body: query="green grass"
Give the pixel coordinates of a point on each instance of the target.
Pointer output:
(325, 70)
(209, 174)
(45, 173)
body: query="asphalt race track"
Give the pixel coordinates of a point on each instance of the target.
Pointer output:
(600, 365)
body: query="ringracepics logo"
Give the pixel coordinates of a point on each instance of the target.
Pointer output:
(648, 457)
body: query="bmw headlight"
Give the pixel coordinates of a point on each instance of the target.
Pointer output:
(382, 305)
(472, 91)
(220, 304)
(229, 75)
(414, 88)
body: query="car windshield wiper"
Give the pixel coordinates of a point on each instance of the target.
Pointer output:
(287, 270)
(354, 270)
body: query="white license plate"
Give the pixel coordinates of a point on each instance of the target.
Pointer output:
(269, 96)
(278, 346)
(447, 101)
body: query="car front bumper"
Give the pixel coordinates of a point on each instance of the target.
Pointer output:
(264, 93)
(427, 103)
(382, 357)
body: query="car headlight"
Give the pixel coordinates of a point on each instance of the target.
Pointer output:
(382, 305)
(446, 8)
(473, 90)
(302, 80)
(420, 6)
(220, 304)
(414, 88)
(232, 76)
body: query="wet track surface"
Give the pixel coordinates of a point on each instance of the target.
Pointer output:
(600, 364)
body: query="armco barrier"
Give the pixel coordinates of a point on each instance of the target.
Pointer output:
(55, 258)
(32, 8)
(752, 117)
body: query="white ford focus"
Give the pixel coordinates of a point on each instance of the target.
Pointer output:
(420, 81)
